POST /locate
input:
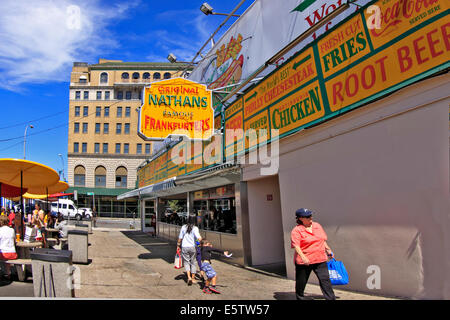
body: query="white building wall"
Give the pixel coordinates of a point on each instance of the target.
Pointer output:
(378, 181)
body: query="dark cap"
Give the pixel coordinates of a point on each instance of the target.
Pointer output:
(303, 212)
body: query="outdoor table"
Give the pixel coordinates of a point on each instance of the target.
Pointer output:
(24, 248)
(51, 232)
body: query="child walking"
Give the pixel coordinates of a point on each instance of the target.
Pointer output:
(211, 274)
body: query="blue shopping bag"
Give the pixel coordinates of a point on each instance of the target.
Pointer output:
(338, 273)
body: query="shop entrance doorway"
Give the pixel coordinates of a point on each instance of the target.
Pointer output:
(265, 224)
(148, 216)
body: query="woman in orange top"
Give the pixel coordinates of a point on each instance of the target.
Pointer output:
(311, 250)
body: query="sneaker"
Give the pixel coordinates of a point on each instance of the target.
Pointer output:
(207, 290)
(189, 282)
(213, 289)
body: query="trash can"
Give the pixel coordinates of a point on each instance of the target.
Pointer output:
(78, 244)
(52, 273)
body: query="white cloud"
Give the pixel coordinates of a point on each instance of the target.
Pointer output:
(41, 39)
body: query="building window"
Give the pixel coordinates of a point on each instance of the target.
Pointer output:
(85, 127)
(105, 148)
(99, 95)
(128, 95)
(146, 75)
(86, 95)
(83, 79)
(85, 111)
(167, 75)
(97, 128)
(127, 128)
(106, 112)
(104, 77)
(97, 147)
(76, 127)
(79, 176)
(139, 148)
(125, 75)
(147, 148)
(117, 147)
(76, 147)
(100, 177)
(126, 148)
(121, 177)
(118, 128)
(107, 95)
(77, 95)
(98, 111)
(119, 112)
(119, 95)
(106, 128)
(84, 147)
(156, 76)
(77, 111)
(135, 75)
(127, 112)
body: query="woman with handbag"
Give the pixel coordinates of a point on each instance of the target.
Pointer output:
(311, 253)
(189, 233)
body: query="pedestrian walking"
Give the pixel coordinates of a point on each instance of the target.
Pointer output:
(189, 233)
(311, 254)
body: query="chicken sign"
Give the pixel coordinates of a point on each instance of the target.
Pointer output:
(176, 107)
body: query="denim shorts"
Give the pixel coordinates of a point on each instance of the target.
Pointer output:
(208, 269)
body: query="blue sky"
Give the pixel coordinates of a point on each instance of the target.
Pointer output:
(40, 39)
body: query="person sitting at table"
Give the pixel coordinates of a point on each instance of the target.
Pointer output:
(12, 218)
(63, 227)
(38, 226)
(7, 244)
(38, 213)
(50, 220)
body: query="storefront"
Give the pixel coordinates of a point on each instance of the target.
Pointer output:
(214, 198)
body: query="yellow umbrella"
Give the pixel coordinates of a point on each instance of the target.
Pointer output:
(26, 174)
(60, 186)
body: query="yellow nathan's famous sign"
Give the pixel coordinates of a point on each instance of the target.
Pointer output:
(176, 107)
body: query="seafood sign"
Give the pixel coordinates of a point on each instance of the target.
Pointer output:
(176, 107)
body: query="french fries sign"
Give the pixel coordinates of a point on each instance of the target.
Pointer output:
(176, 107)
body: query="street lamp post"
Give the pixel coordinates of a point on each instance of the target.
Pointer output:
(62, 172)
(25, 138)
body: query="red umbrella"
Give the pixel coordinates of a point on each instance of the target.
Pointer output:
(9, 191)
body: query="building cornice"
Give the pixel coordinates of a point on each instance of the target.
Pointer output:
(107, 156)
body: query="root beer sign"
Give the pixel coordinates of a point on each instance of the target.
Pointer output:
(176, 107)
(363, 58)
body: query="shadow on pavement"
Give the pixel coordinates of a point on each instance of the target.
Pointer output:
(291, 296)
(158, 248)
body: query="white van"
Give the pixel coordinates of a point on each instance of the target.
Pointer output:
(69, 210)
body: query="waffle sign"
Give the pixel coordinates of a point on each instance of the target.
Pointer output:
(176, 107)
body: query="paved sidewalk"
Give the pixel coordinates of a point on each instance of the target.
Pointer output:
(133, 265)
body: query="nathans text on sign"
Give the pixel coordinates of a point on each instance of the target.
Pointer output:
(177, 107)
